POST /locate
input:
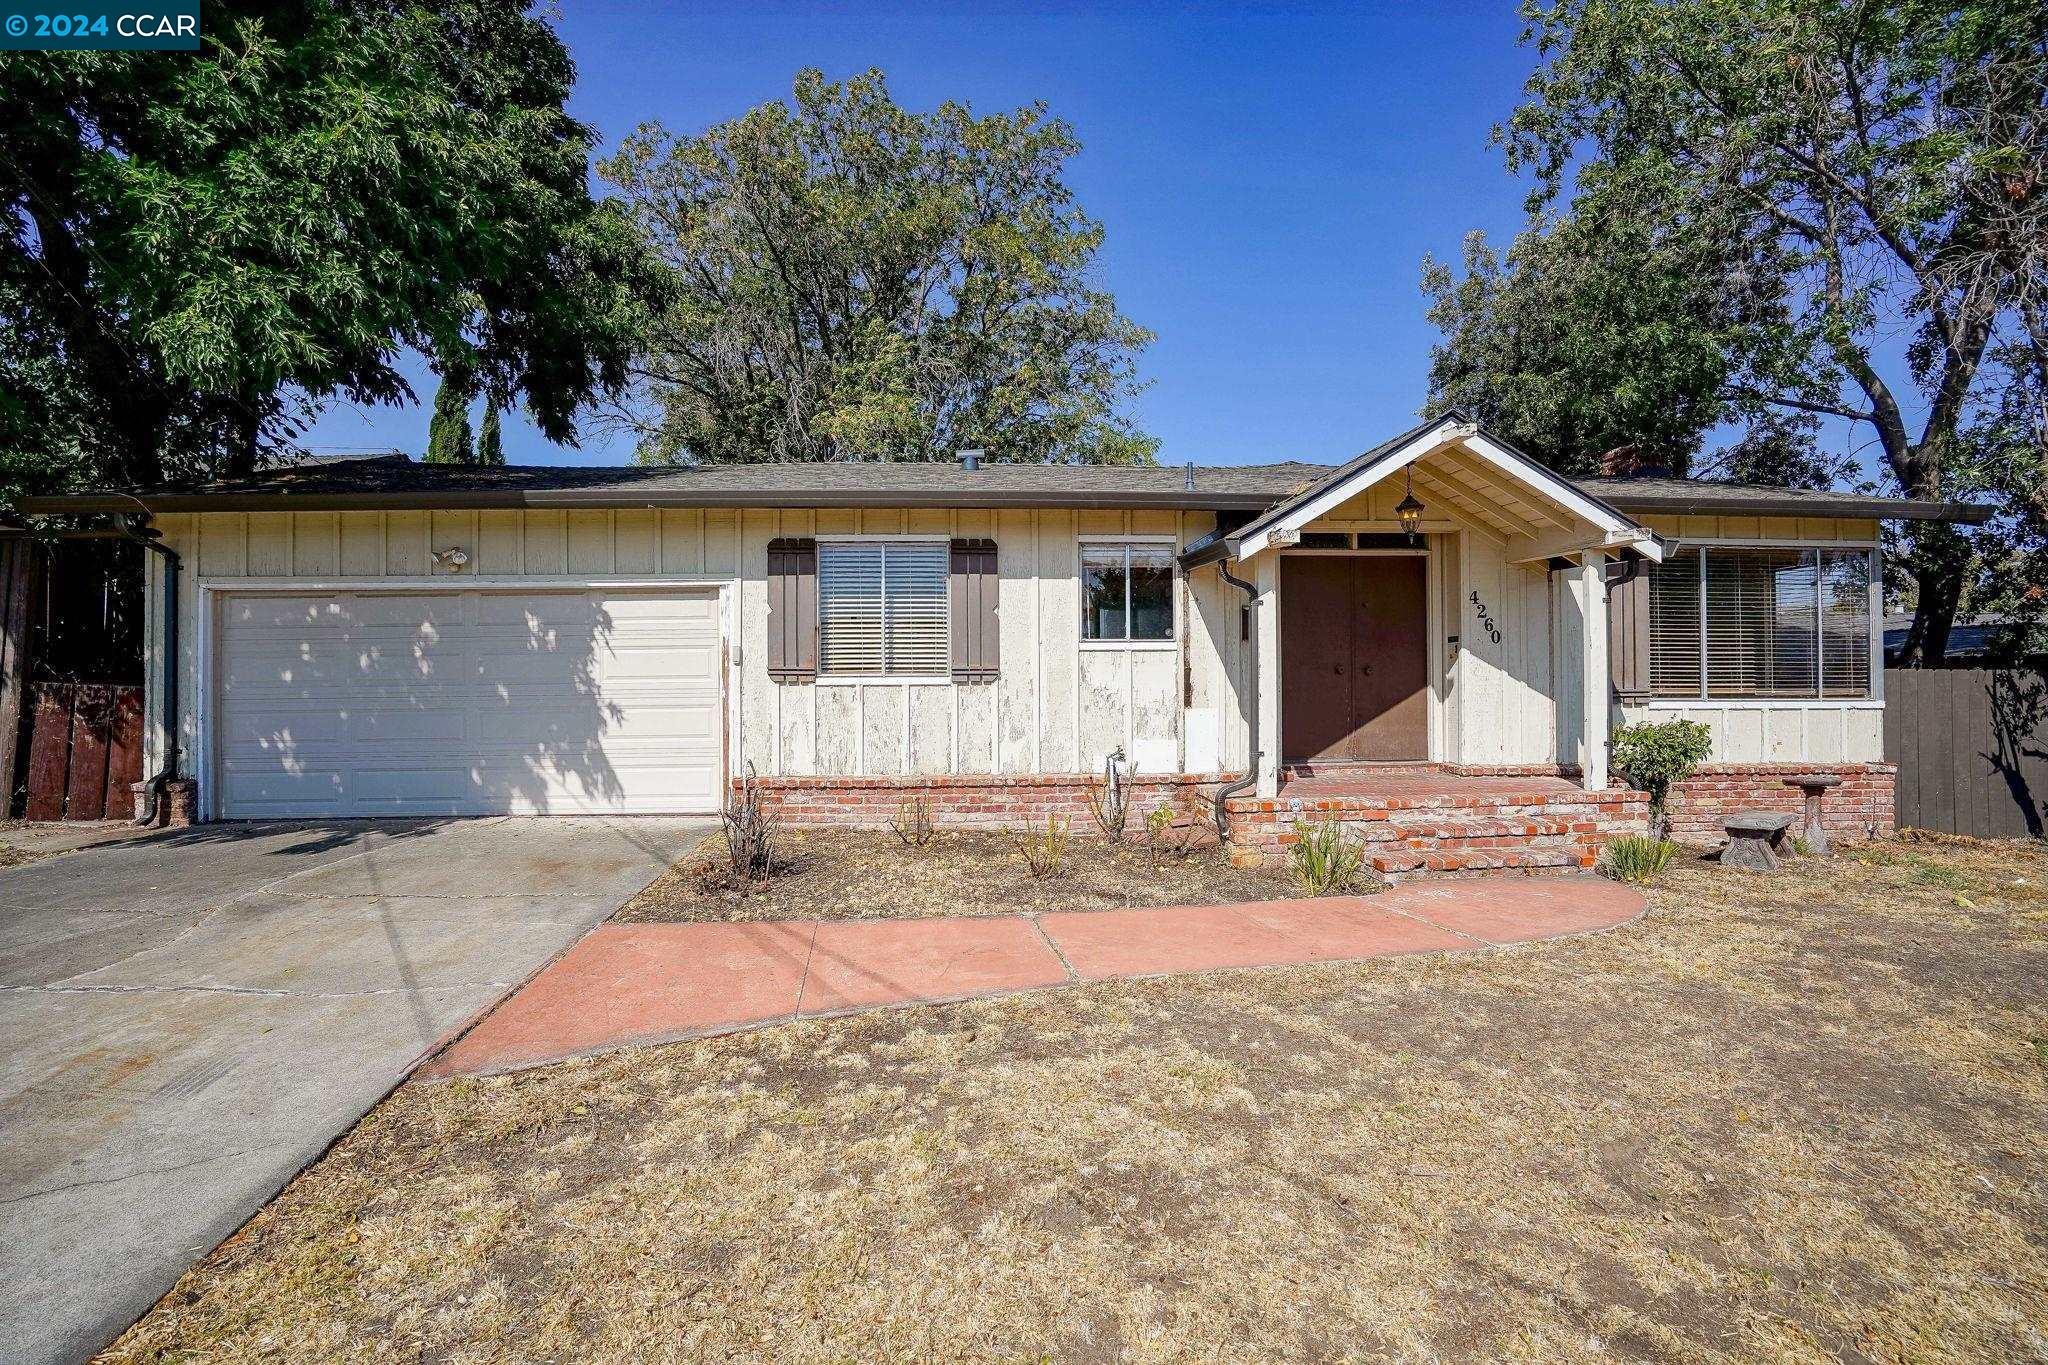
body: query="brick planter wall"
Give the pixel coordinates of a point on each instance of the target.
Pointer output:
(1503, 829)
(1499, 831)
(1701, 802)
(981, 802)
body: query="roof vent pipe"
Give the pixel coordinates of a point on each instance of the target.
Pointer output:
(1191, 476)
(970, 458)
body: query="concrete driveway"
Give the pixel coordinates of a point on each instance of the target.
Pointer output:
(188, 1017)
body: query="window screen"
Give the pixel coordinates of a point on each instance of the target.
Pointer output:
(1760, 622)
(882, 608)
(1127, 592)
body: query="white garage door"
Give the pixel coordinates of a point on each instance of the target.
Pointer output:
(467, 703)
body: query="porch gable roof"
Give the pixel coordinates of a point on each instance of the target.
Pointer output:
(1451, 431)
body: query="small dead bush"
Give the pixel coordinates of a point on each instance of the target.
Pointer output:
(913, 823)
(749, 833)
(1043, 849)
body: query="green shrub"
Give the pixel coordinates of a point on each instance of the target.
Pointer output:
(1636, 859)
(1326, 862)
(1655, 755)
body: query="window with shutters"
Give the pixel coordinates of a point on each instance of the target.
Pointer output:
(1761, 622)
(1127, 593)
(882, 609)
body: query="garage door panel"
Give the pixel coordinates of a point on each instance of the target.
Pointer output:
(653, 662)
(469, 703)
(294, 614)
(410, 611)
(445, 787)
(273, 787)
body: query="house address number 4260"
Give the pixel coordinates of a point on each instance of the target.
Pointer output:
(1486, 621)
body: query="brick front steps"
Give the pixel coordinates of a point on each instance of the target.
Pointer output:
(1452, 824)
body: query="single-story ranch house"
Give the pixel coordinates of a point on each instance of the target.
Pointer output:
(1432, 642)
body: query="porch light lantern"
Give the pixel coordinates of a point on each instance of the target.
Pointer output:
(1409, 510)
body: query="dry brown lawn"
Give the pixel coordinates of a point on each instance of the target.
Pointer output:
(1797, 1119)
(870, 874)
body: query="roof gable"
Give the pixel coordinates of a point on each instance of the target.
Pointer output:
(1453, 432)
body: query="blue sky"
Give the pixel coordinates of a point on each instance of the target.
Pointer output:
(1269, 177)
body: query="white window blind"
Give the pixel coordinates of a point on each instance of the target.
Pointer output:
(882, 608)
(1760, 622)
(1675, 627)
(1761, 626)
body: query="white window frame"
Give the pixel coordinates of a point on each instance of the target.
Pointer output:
(825, 679)
(1873, 701)
(1083, 544)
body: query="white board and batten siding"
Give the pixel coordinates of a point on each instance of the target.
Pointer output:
(1055, 706)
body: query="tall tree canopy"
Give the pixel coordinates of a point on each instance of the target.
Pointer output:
(448, 435)
(849, 280)
(194, 249)
(1776, 212)
(490, 439)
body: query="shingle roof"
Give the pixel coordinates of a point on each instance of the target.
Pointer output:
(373, 483)
(1710, 497)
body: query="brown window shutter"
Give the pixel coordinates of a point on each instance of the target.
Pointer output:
(793, 610)
(975, 632)
(1628, 637)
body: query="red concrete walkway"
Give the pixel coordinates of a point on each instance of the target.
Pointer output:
(648, 983)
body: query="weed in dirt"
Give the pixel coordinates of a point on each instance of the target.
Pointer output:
(1637, 860)
(1325, 860)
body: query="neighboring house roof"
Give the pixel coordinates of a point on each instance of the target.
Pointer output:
(386, 483)
(1970, 637)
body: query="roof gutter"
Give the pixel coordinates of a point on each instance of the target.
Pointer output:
(1882, 509)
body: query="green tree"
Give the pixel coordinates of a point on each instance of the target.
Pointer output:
(845, 279)
(196, 250)
(448, 438)
(1783, 211)
(490, 442)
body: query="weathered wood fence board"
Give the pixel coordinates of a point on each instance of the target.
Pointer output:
(19, 564)
(1972, 749)
(84, 751)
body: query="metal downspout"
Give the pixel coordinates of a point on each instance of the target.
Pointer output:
(138, 529)
(1251, 775)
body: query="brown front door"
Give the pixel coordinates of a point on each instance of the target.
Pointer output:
(1353, 658)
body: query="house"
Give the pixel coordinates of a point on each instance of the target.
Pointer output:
(1432, 642)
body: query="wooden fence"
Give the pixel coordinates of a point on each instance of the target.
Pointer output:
(84, 751)
(1972, 749)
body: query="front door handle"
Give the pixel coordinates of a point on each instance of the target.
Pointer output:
(1339, 670)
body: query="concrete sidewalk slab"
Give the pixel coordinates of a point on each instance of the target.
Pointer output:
(643, 983)
(1524, 910)
(886, 962)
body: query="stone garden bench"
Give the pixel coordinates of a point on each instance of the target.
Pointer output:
(1755, 840)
